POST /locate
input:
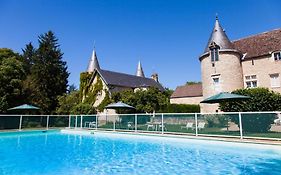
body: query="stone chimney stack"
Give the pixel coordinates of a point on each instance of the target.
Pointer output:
(155, 77)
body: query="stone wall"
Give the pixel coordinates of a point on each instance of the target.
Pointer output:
(229, 71)
(262, 67)
(186, 100)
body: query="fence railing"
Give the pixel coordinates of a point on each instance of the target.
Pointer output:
(262, 125)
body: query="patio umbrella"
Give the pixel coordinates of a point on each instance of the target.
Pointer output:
(24, 107)
(119, 105)
(224, 97)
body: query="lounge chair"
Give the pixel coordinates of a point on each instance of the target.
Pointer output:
(150, 125)
(130, 125)
(164, 127)
(201, 125)
(92, 125)
(188, 125)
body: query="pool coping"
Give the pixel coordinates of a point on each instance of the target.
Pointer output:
(212, 138)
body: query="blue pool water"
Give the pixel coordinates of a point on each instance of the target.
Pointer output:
(57, 153)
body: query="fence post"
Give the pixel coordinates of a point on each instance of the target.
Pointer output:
(81, 121)
(69, 121)
(114, 120)
(47, 125)
(96, 122)
(76, 122)
(196, 125)
(20, 123)
(162, 123)
(240, 124)
(136, 122)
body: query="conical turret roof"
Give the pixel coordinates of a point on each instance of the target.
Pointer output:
(218, 37)
(139, 72)
(93, 63)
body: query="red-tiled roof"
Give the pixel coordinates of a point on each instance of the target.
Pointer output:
(260, 44)
(194, 90)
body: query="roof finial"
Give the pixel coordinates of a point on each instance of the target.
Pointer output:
(217, 16)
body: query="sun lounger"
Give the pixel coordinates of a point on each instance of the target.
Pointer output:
(188, 125)
(201, 125)
(92, 125)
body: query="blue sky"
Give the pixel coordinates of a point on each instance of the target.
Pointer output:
(166, 35)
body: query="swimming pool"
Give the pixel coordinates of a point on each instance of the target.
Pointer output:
(58, 153)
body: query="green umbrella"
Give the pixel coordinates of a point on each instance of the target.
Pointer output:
(224, 97)
(119, 105)
(24, 107)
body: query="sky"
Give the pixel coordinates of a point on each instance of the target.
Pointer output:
(167, 36)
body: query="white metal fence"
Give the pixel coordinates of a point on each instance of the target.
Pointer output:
(261, 125)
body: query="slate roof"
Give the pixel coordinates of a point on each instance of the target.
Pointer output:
(93, 63)
(219, 37)
(194, 90)
(126, 80)
(260, 44)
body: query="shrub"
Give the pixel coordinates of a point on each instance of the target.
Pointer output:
(262, 99)
(83, 108)
(181, 108)
(258, 123)
(216, 120)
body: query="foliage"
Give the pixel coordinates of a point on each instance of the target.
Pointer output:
(90, 92)
(48, 73)
(11, 75)
(67, 102)
(107, 100)
(72, 88)
(85, 78)
(83, 108)
(193, 82)
(181, 108)
(148, 100)
(216, 120)
(262, 99)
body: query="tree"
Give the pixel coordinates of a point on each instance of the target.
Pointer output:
(148, 100)
(48, 73)
(11, 75)
(67, 102)
(193, 82)
(262, 99)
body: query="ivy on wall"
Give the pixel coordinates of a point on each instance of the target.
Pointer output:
(107, 100)
(85, 78)
(88, 91)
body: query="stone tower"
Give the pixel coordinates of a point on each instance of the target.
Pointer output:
(221, 68)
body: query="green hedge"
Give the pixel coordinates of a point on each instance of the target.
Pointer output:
(181, 108)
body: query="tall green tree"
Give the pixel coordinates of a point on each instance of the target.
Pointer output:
(48, 72)
(12, 73)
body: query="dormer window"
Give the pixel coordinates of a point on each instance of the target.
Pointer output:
(277, 56)
(214, 49)
(214, 54)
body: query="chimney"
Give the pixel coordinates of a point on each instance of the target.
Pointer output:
(155, 77)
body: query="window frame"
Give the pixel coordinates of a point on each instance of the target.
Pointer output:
(251, 80)
(276, 53)
(277, 80)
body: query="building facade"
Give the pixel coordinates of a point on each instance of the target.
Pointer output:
(250, 62)
(97, 84)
